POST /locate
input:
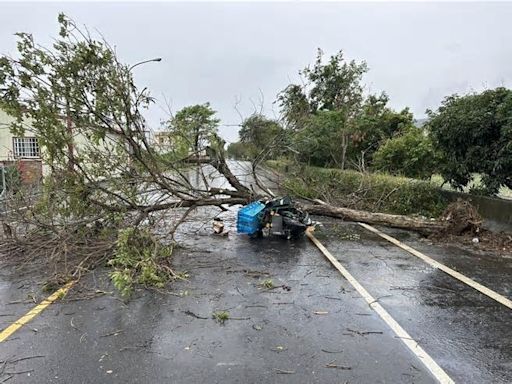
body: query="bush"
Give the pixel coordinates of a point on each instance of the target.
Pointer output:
(411, 155)
(371, 192)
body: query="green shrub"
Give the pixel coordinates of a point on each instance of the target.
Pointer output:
(411, 155)
(373, 192)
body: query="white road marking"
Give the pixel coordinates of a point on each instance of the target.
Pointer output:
(459, 276)
(401, 333)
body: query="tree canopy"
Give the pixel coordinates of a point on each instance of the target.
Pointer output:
(473, 133)
(410, 154)
(193, 128)
(335, 121)
(258, 136)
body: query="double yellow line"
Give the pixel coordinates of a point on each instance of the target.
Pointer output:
(35, 311)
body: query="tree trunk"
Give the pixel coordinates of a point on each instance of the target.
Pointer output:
(344, 146)
(398, 221)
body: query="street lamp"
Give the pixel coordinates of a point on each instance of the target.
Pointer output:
(156, 59)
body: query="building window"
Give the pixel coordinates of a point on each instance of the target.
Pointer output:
(26, 147)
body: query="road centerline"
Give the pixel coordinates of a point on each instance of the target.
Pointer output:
(401, 333)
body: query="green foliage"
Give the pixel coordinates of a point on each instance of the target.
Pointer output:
(220, 316)
(139, 259)
(262, 134)
(367, 191)
(473, 133)
(318, 143)
(336, 84)
(335, 123)
(410, 154)
(267, 283)
(193, 129)
(259, 136)
(377, 123)
(12, 178)
(241, 151)
(81, 104)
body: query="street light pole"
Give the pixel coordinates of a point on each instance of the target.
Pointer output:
(156, 59)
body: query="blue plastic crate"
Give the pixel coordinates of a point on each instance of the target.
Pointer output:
(248, 218)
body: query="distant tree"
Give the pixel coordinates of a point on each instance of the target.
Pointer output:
(317, 142)
(240, 151)
(474, 135)
(259, 136)
(410, 154)
(334, 85)
(375, 124)
(334, 116)
(295, 106)
(194, 127)
(260, 132)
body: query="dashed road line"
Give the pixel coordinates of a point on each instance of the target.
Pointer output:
(459, 276)
(4, 335)
(401, 333)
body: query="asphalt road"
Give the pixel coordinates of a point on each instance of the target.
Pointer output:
(311, 327)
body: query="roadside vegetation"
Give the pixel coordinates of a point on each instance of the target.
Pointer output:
(373, 192)
(349, 148)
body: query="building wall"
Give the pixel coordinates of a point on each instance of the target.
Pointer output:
(31, 169)
(35, 168)
(5, 137)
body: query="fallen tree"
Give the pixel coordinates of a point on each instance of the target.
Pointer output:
(107, 184)
(458, 218)
(398, 221)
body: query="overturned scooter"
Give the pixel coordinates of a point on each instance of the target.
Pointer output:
(279, 216)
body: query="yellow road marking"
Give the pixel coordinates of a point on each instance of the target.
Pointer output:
(401, 333)
(459, 276)
(34, 312)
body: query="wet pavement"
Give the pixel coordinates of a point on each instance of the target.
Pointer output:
(292, 317)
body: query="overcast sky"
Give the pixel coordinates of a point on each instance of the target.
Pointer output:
(220, 52)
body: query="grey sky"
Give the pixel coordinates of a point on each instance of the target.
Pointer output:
(218, 52)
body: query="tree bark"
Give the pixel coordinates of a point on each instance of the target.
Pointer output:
(398, 221)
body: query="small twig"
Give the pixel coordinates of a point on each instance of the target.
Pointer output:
(332, 365)
(73, 325)
(18, 373)
(283, 372)
(10, 361)
(326, 351)
(190, 313)
(113, 333)
(362, 333)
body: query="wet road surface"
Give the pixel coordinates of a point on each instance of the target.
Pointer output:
(310, 327)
